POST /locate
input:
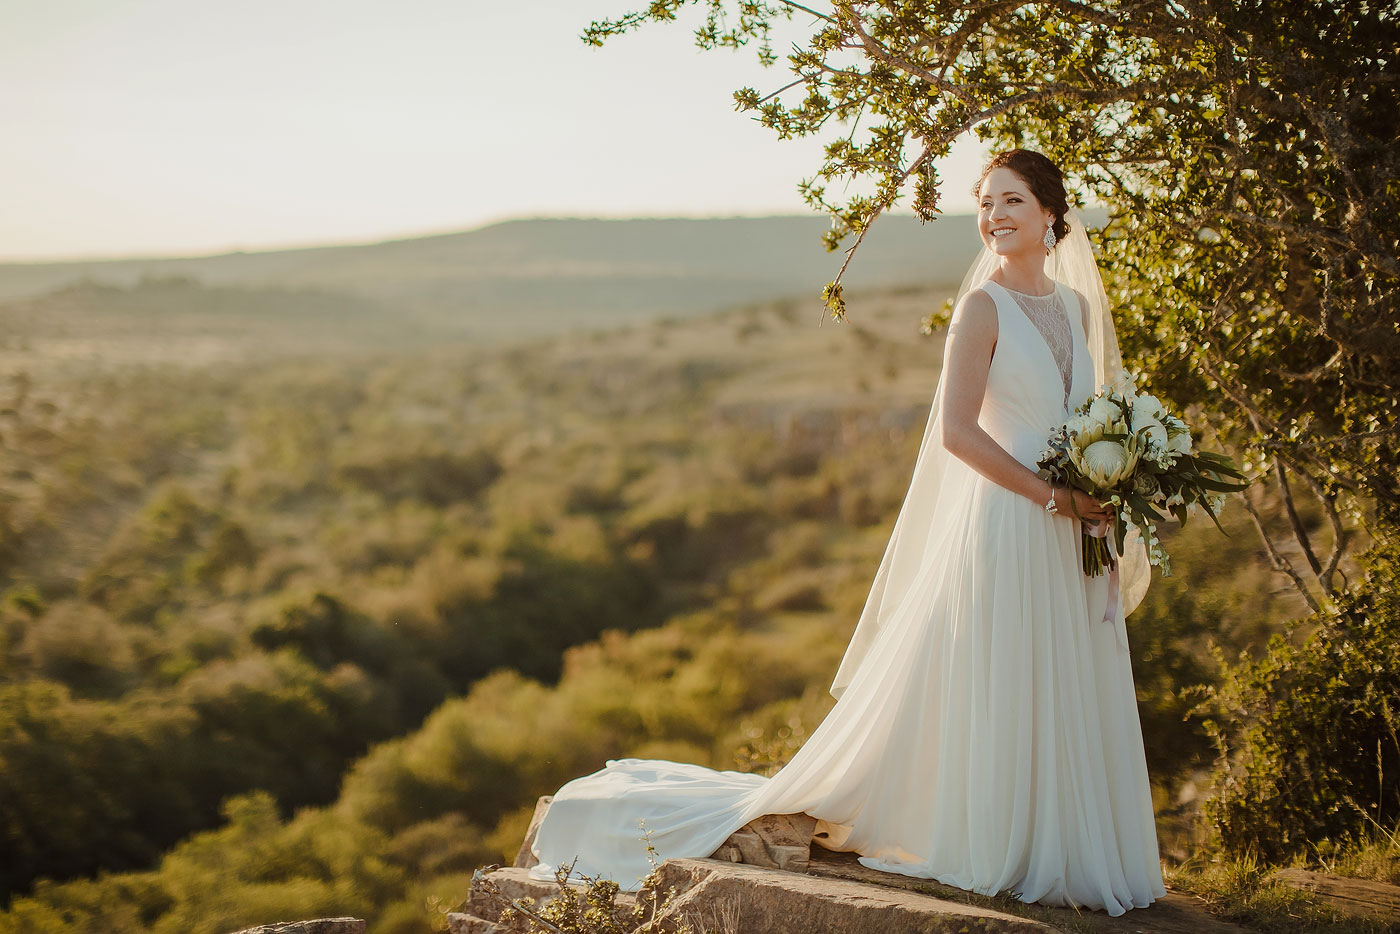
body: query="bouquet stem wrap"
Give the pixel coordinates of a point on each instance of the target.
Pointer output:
(1096, 538)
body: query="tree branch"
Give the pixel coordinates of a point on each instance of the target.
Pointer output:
(1300, 533)
(1385, 262)
(878, 52)
(798, 6)
(1340, 535)
(1279, 562)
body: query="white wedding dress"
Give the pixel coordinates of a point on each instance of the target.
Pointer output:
(987, 736)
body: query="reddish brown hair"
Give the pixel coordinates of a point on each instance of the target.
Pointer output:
(1044, 178)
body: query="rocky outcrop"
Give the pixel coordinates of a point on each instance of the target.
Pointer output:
(768, 878)
(772, 901)
(768, 901)
(525, 859)
(773, 841)
(462, 923)
(481, 912)
(320, 926)
(1175, 913)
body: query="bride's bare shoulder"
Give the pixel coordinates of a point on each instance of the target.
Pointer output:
(976, 309)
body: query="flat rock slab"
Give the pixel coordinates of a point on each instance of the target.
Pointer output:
(1177, 913)
(319, 926)
(771, 901)
(1351, 896)
(461, 923)
(514, 883)
(773, 841)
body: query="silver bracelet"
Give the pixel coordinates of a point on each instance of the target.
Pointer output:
(1050, 507)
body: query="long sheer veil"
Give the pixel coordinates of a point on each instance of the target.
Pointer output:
(915, 542)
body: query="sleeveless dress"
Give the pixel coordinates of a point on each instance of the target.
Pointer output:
(992, 743)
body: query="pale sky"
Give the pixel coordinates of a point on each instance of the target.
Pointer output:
(176, 127)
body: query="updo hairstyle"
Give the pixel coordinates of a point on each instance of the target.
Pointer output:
(1045, 179)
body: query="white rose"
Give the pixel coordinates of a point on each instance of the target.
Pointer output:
(1102, 411)
(1106, 463)
(1146, 423)
(1150, 406)
(1180, 442)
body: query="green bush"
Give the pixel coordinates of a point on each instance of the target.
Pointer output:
(255, 869)
(88, 785)
(1310, 733)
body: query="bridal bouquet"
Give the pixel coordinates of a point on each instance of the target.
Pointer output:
(1128, 450)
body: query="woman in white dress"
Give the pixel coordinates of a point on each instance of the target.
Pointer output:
(986, 731)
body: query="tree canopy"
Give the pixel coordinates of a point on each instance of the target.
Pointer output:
(1246, 153)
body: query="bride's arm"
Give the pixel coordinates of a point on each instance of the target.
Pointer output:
(967, 358)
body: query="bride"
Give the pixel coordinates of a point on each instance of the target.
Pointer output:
(985, 732)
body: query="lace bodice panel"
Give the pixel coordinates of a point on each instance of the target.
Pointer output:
(1047, 313)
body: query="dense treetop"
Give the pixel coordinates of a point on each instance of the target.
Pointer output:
(1246, 151)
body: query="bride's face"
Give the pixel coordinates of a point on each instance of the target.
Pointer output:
(1009, 218)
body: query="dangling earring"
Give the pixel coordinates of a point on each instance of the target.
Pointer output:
(1049, 238)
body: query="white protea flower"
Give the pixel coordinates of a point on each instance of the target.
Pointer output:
(1084, 429)
(1104, 463)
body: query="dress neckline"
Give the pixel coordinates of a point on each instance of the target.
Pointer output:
(1054, 288)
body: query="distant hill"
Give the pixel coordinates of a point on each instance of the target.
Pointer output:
(525, 277)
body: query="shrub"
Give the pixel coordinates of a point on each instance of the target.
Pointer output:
(1317, 740)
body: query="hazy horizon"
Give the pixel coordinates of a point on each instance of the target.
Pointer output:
(158, 128)
(297, 246)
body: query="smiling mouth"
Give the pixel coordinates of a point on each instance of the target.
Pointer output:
(1002, 231)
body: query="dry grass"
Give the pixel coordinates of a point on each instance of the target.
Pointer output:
(1240, 890)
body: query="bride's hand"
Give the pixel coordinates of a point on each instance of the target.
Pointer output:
(1085, 508)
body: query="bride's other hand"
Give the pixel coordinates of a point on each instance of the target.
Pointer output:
(1086, 508)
